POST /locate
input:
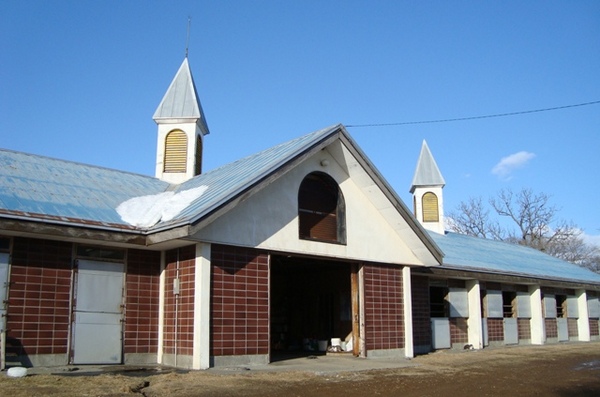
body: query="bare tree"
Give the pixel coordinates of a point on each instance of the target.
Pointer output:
(473, 219)
(534, 225)
(533, 215)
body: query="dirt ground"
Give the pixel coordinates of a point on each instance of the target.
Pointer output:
(571, 369)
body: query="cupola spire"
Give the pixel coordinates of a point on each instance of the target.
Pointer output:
(181, 129)
(426, 188)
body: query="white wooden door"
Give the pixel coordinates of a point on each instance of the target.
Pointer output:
(97, 325)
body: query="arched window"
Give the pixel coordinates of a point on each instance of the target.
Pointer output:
(175, 152)
(430, 208)
(321, 209)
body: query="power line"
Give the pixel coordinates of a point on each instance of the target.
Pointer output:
(472, 117)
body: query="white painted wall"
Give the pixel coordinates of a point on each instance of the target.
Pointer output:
(583, 322)
(538, 329)
(474, 322)
(269, 219)
(409, 348)
(161, 309)
(201, 349)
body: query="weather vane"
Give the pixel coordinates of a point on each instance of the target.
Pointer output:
(187, 40)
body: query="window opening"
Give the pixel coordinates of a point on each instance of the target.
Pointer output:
(86, 251)
(561, 306)
(4, 244)
(438, 304)
(321, 209)
(508, 304)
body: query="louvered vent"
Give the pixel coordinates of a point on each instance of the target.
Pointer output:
(430, 208)
(198, 165)
(176, 152)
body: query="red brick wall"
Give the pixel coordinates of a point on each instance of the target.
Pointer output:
(524, 325)
(495, 329)
(594, 327)
(142, 301)
(179, 332)
(384, 323)
(551, 328)
(458, 330)
(573, 329)
(420, 311)
(39, 300)
(239, 301)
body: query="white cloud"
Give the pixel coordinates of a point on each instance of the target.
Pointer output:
(510, 163)
(591, 239)
(146, 211)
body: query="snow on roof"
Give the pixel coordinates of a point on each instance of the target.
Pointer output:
(147, 211)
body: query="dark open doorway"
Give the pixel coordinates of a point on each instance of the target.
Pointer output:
(311, 301)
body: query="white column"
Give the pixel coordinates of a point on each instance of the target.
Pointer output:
(538, 329)
(409, 350)
(474, 324)
(583, 322)
(161, 309)
(201, 351)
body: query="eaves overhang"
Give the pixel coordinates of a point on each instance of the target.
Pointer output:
(69, 229)
(463, 272)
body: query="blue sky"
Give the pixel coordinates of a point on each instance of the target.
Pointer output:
(80, 80)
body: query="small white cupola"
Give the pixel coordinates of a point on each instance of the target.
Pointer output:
(426, 188)
(181, 129)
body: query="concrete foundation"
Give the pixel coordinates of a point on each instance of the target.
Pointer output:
(179, 361)
(140, 359)
(38, 360)
(386, 353)
(235, 361)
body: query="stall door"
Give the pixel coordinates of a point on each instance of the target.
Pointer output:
(511, 331)
(440, 332)
(563, 329)
(3, 291)
(97, 327)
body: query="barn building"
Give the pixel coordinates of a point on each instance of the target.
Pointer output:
(490, 292)
(268, 255)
